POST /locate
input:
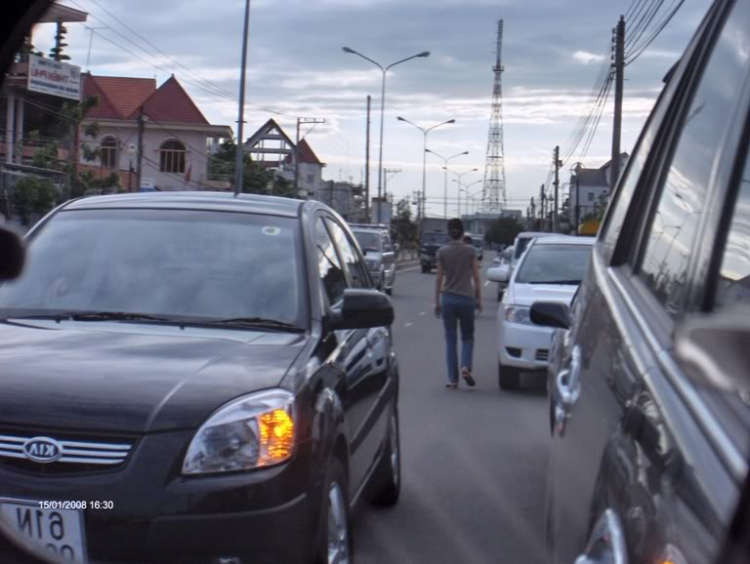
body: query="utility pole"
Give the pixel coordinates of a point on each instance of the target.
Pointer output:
(239, 173)
(578, 203)
(367, 163)
(558, 164)
(543, 199)
(139, 158)
(295, 153)
(532, 214)
(619, 66)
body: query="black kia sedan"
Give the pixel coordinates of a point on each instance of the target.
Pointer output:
(194, 378)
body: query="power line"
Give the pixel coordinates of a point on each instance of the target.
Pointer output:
(642, 23)
(640, 49)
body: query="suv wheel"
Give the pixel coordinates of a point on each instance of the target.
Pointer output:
(425, 269)
(335, 545)
(389, 291)
(509, 378)
(385, 486)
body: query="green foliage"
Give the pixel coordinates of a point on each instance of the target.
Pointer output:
(56, 52)
(256, 179)
(503, 231)
(402, 223)
(33, 196)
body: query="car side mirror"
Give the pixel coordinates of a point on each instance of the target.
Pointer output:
(550, 314)
(498, 273)
(12, 254)
(714, 350)
(363, 309)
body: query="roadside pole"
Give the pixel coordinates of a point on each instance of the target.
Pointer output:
(139, 158)
(367, 163)
(558, 163)
(619, 66)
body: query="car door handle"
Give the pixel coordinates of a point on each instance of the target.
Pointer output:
(567, 390)
(606, 542)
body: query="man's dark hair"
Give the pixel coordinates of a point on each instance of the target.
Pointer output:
(455, 228)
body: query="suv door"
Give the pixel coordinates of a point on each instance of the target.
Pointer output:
(362, 357)
(639, 466)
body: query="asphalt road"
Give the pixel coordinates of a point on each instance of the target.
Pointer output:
(473, 461)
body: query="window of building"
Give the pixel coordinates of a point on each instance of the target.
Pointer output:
(108, 152)
(172, 157)
(591, 196)
(310, 178)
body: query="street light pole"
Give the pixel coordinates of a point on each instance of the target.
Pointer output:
(459, 176)
(384, 71)
(240, 148)
(424, 153)
(445, 179)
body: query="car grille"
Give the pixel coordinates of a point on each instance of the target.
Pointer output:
(542, 355)
(77, 455)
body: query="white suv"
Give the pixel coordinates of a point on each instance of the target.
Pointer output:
(549, 270)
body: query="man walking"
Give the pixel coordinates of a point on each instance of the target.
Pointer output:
(457, 300)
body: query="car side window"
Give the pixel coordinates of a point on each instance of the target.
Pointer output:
(329, 266)
(675, 223)
(733, 286)
(349, 255)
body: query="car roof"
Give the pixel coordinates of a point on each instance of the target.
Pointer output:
(208, 201)
(532, 234)
(564, 240)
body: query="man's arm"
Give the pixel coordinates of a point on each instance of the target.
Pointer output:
(477, 283)
(438, 286)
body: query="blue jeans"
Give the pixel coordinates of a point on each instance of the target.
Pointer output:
(458, 310)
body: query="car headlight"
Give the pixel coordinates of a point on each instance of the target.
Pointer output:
(518, 314)
(252, 432)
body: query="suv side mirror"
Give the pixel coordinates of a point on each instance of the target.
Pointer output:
(550, 314)
(363, 309)
(714, 350)
(498, 273)
(12, 254)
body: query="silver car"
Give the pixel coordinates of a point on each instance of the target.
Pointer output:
(375, 242)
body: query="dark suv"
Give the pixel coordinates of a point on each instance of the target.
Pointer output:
(194, 377)
(651, 408)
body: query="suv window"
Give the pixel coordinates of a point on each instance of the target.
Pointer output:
(674, 226)
(350, 257)
(329, 265)
(733, 286)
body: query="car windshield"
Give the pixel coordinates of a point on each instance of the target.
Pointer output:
(554, 264)
(369, 241)
(520, 246)
(435, 239)
(172, 263)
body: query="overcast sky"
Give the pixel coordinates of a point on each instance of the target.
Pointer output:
(552, 52)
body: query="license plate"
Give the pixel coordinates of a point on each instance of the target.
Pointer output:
(56, 531)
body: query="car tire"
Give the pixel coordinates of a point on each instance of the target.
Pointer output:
(425, 269)
(508, 378)
(385, 486)
(389, 291)
(335, 543)
(500, 294)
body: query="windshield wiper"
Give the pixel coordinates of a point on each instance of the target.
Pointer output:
(119, 316)
(254, 323)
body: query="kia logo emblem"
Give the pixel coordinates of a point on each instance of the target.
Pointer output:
(42, 450)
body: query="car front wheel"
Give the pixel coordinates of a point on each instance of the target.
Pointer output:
(509, 378)
(335, 545)
(385, 487)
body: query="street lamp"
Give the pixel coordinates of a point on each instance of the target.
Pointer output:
(465, 190)
(424, 153)
(459, 176)
(445, 189)
(382, 110)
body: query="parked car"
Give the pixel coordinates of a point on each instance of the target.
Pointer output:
(503, 259)
(522, 242)
(478, 242)
(194, 377)
(380, 254)
(551, 269)
(651, 406)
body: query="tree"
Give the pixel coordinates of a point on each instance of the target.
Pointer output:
(33, 196)
(56, 52)
(402, 223)
(256, 179)
(504, 230)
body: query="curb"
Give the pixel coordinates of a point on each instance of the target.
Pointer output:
(407, 264)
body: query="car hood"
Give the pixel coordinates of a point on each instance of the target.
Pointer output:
(132, 378)
(375, 257)
(527, 294)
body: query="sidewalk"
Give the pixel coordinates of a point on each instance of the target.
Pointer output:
(406, 260)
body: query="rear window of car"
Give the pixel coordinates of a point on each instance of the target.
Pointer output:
(192, 264)
(554, 264)
(368, 240)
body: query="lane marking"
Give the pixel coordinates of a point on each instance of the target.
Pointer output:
(412, 269)
(408, 324)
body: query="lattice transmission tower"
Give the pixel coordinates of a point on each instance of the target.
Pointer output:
(493, 194)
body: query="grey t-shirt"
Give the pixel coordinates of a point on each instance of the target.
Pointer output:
(457, 259)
